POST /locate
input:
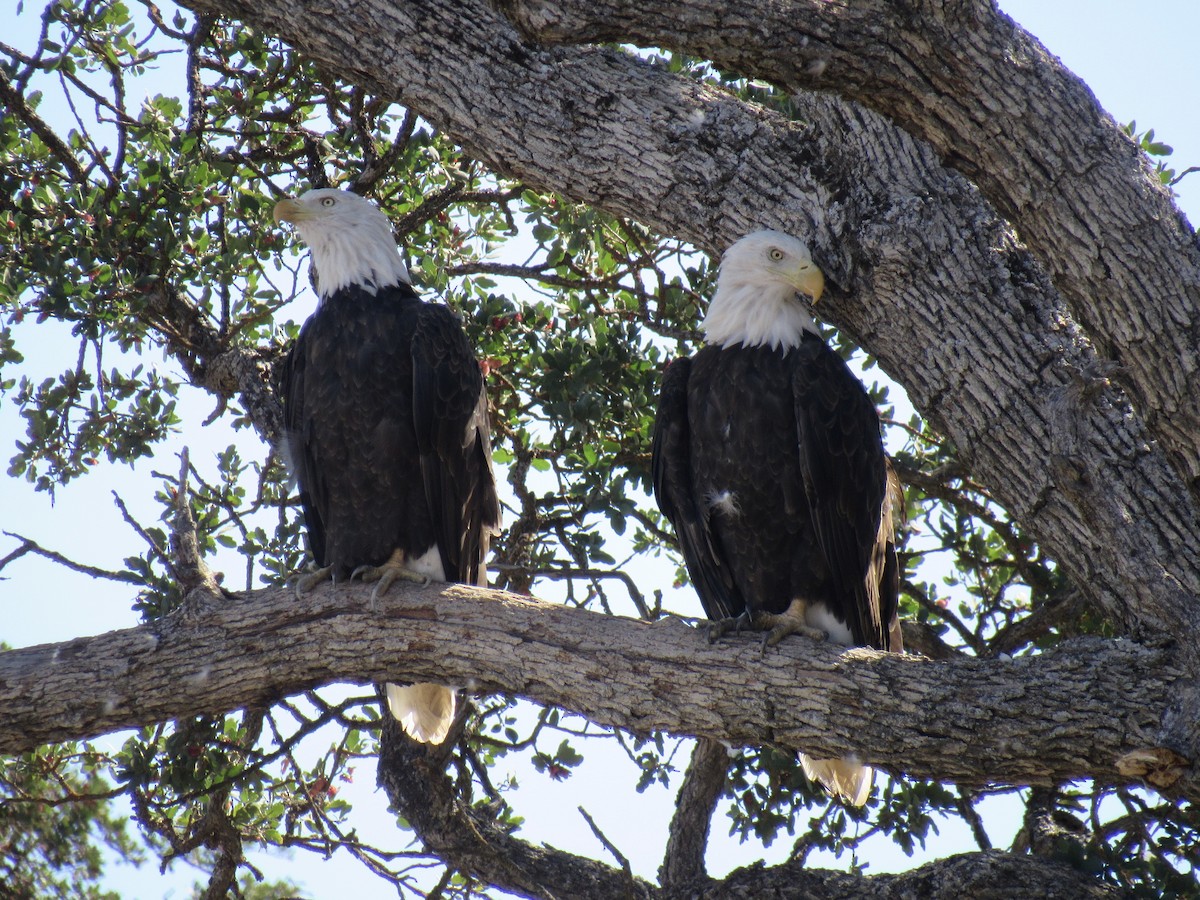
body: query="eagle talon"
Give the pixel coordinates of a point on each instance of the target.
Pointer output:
(783, 625)
(306, 583)
(722, 627)
(387, 575)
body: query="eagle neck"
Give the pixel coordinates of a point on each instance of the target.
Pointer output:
(363, 256)
(752, 314)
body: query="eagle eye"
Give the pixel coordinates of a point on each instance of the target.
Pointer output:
(776, 254)
(327, 201)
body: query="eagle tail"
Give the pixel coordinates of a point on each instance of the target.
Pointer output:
(424, 711)
(845, 778)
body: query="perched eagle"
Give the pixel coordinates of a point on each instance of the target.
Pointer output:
(769, 463)
(386, 426)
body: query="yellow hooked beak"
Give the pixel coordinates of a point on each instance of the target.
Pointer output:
(289, 210)
(809, 280)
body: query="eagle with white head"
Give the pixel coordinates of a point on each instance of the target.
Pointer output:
(386, 426)
(769, 463)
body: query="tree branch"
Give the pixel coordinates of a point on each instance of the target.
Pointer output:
(962, 720)
(990, 874)
(683, 862)
(214, 363)
(31, 546)
(467, 839)
(14, 101)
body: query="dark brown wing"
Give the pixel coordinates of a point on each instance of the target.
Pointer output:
(885, 567)
(680, 500)
(451, 424)
(295, 442)
(844, 470)
(347, 416)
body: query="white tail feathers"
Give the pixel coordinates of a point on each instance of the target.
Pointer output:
(424, 711)
(845, 778)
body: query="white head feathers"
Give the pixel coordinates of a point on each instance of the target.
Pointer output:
(756, 302)
(349, 237)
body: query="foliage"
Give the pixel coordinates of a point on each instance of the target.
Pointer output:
(145, 230)
(1152, 148)
(50, 848)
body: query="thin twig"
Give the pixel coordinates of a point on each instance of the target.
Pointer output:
(129, 519)
(608, 845)
(31, 546)
(1178, 178)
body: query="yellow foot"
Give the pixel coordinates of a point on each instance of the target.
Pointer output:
(779, 626)
(722, 627)
(306, 583)
(387, 575)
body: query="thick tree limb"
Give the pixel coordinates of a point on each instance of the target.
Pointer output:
(981, 876)
(687, 842)
(422, 793)
(998, 107)
(961, 720)
(931, 280)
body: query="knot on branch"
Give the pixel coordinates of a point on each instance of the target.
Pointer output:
(223, 374)
(540, 21)
(235, 371)
(1157, 766)
(196, 580)
(1067, 407)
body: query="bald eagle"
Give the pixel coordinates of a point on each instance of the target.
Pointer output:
(386, 426)
(768, 461)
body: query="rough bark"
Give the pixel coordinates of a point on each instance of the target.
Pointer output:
(927, 277)
(421, 792)
(981, 876)
(418, 788)
(1100, 703)
(683, 862)
(998, 107)
(215, 363)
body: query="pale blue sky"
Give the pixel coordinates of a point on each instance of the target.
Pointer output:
(1142, 63)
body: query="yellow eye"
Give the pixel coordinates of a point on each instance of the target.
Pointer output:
(776, 254)
(327, 202)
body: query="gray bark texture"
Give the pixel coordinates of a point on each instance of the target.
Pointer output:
(414, 779)
(994, 104)
(683, 862)
(1064, 370)
(966, 720)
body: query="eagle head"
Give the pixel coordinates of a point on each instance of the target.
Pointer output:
(349, 237)
(755, 302)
